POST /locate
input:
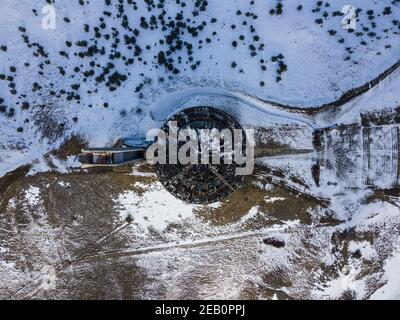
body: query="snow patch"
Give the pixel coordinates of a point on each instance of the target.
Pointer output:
(155, 208)
(273, 199)
(391, 290)
(32, 196)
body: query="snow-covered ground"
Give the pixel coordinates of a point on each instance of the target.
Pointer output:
(62, 236)
(106, 63)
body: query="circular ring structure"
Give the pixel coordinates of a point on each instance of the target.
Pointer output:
(202, 183)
